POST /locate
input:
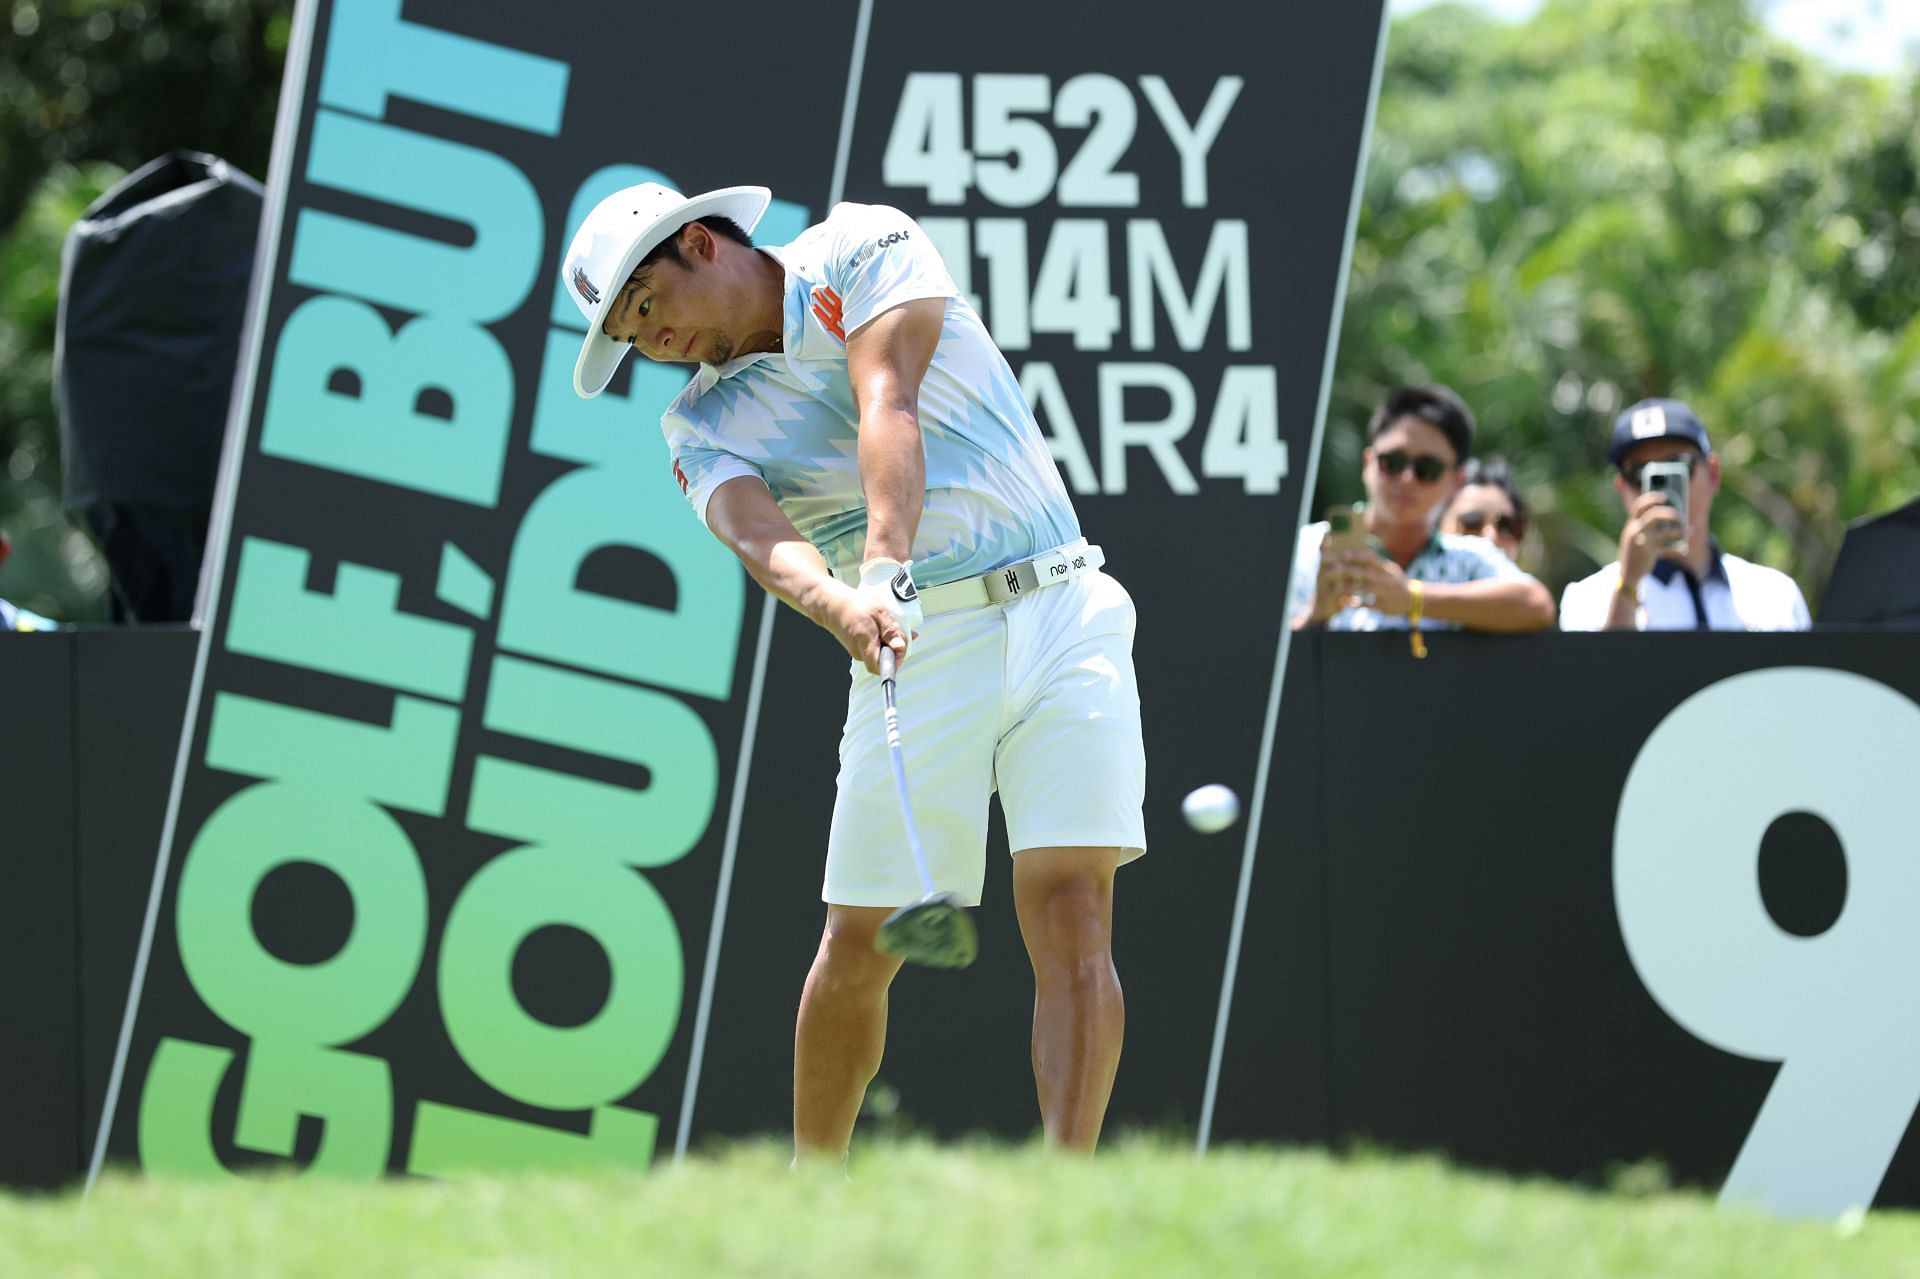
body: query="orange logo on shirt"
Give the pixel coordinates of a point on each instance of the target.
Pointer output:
(680, 475)
(826, 309)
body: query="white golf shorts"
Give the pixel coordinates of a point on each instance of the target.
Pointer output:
(1034, 699)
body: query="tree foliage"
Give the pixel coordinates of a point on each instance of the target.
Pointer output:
(1622, 198)
(54, 569)
(122, 81)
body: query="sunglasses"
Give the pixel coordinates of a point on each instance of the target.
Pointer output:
(1426, 467)
(1472, 522)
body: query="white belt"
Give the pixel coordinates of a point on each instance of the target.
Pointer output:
(1012, 581)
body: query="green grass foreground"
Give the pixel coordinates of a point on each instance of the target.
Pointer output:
(916, 1210)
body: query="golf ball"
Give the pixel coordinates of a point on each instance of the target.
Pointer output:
(1211, 808)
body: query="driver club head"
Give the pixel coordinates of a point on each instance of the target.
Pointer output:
(935, 932)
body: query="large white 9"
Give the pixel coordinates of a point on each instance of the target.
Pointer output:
(1840, 1011)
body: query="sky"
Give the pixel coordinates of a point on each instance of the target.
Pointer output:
(1863, 35)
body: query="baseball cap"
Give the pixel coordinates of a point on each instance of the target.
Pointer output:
(622, 229)
(1656, 420)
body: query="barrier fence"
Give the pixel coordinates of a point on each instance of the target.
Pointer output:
(1445, 945)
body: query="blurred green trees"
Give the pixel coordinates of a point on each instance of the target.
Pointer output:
(1622, 198)
(88, 90)
(54, 568)
(1614, 199)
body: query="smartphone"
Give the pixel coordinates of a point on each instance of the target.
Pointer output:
(1346, 528)
(1669, 479)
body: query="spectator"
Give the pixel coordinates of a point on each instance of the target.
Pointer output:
(1414, 577)
(12, 617)
(1488, 505)
(1672, 575)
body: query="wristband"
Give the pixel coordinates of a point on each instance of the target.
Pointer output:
(1417, 592)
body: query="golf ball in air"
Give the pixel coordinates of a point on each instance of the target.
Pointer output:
(1211, 808)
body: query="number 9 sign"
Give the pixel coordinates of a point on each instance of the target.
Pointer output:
(1837, 1011)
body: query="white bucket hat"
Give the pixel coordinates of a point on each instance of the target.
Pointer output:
(622, 229)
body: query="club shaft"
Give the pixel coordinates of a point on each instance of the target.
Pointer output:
(900, 773)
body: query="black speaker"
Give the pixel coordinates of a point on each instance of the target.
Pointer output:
(153, 294)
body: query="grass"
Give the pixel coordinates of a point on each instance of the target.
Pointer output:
(913, 1210)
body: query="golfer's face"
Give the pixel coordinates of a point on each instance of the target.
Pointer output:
(673, 315)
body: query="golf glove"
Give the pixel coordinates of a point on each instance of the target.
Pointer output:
(889, 583)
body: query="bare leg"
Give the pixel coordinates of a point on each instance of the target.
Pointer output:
(842, 1031)
(1064, 897)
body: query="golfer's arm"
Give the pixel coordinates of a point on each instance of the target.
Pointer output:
(886, 359)
(1510, 605)
(743, 515)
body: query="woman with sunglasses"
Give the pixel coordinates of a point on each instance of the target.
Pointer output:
(1409, 575)
(1488, 505)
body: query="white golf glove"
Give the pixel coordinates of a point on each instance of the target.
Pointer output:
(889, 583)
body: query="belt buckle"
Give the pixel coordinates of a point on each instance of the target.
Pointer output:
(1011, 582)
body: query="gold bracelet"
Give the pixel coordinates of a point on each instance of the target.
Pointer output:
(1418, 592)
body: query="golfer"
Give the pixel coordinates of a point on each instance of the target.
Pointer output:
(853, 435)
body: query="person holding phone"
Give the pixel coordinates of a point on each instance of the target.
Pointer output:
(1489, 504)
(1670, 573)
(1385, 565)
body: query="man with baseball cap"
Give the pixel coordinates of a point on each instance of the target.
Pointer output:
(853, 434)
(1671, 574)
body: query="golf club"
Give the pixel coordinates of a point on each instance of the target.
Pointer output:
(936, 930)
